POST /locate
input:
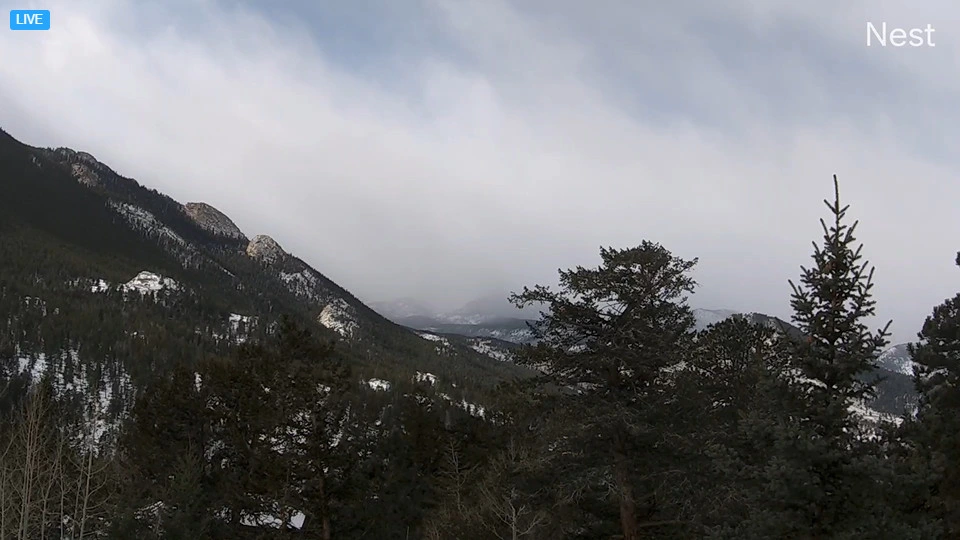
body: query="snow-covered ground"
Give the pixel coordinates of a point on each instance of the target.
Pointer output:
(485, 347)
(433, 337)
(303, 283)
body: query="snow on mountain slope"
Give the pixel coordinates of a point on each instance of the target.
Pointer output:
(100, 286)
(378, 384)
(896, 359)
(484, 346)
(433, 337)
(74, 379)
(207, 243)
(147, 282)
(303, 283)
(428, 378)
(240, 322)
(142, 220)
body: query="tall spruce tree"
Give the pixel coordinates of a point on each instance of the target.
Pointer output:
(609, 333)
(830, 305)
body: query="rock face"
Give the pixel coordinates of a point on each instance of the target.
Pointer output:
(213, 220)
(147, 282)
(265, 249)
(339, 317)
(85, 175)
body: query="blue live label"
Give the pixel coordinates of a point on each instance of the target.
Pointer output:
(29, 19)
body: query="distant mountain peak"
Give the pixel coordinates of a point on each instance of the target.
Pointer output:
(706, 317)
(265, 249)
(74, 155)
(402, 308)
(897, 358)
(213, 220)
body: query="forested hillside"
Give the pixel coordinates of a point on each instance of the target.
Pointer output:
(165, 375)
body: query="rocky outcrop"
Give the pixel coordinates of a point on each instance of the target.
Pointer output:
(85, 175)
(148, 282)
(213, 220)
(339, 317)
(265, 249)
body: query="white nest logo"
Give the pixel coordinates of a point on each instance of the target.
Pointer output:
(900, 37)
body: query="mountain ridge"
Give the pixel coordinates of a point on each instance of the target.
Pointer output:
(200, 248)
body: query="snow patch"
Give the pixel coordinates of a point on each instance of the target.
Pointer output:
(896, 359)
(872, 416)
(142, 220)
(100, 286)
(98, 389)
(428, 378)
(240, 326)
(486, 348)
(379, 384)
(433, 337)
(148, 283)
(265, 519)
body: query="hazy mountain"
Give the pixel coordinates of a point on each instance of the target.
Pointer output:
(83, 243)
(403, 308)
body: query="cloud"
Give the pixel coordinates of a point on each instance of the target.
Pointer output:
(452, 148)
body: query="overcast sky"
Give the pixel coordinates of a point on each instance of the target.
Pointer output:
(446, 149)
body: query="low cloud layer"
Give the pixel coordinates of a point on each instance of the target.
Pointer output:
(449, 149)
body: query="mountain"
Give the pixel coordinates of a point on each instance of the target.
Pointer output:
(105, 278)
(515, 331)
(402, 308)
(493, 306)
(187, 405)
(706, 317)
(491, 317)
(897, 359)
(895, 392)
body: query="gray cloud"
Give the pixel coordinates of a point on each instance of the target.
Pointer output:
(452, 148)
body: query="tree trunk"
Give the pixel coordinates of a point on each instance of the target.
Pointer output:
(628, 513)
(324, 510)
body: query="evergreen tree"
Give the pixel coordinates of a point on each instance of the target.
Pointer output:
(830, 307)
(608, 335)
(828, 478)
(936, 432)
(276, 414)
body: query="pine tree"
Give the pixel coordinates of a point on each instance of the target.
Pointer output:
(936, 431)
(276, 412)
(609, 334)
(830, 306)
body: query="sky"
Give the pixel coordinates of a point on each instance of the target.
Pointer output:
(444, 150)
